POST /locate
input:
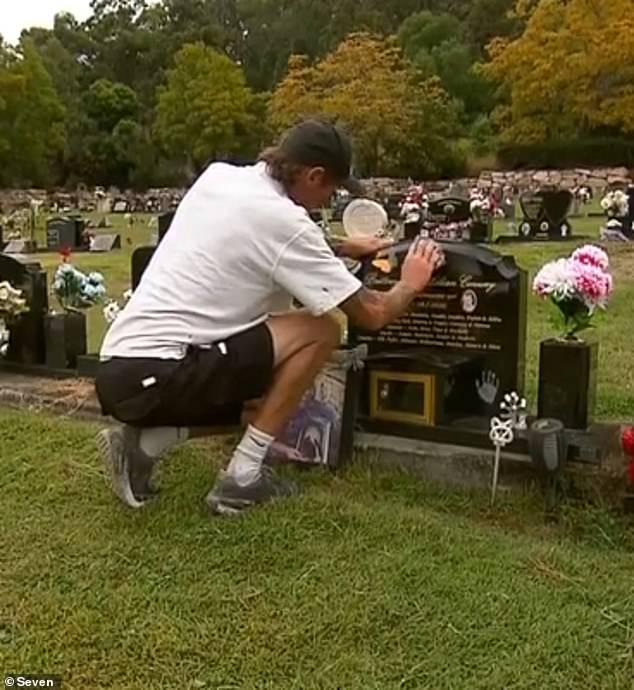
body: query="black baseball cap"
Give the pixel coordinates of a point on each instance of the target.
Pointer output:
(320, 143)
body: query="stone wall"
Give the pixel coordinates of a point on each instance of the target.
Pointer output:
(163, 199)
(597, 178)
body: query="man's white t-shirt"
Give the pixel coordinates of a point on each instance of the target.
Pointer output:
(236, 252)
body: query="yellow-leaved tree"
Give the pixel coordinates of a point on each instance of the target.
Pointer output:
(366, 85)
(571, 70)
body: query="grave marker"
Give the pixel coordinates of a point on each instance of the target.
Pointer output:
(546, 215)
(64, 232)
(443, 368)
(27, 335)
(105, 243)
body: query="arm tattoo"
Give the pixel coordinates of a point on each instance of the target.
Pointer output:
(373, 310)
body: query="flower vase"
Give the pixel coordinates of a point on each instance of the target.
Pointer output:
(568, 381)
(65, 338)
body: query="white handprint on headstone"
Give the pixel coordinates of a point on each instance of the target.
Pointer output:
(488, 387)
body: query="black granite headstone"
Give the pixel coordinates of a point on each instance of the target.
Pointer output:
(26, 344)
(64, 232)
(164, 222)
(449, 219)
(546, 215)
(448, 363)
(140, 261)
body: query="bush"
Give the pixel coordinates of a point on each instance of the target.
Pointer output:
(567, 154)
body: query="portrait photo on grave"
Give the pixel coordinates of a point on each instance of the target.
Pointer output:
(321, 430)
(449, 362)
(313, 436)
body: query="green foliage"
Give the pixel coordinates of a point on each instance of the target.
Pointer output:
(569, 153)
(436, 44)
(108, 104)
(397, 118)
(555, 70)
(206, 106)
(31, 120)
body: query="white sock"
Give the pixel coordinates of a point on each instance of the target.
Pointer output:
(246, 463)
(156, 441)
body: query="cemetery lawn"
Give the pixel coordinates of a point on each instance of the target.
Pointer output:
(615, 332)
(369, 580)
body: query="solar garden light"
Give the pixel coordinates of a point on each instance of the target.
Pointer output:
(548, 451)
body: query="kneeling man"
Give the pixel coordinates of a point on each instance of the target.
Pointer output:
(208, 339)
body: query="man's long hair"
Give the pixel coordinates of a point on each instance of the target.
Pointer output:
(279, 166)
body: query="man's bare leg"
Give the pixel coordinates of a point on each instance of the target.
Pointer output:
(302, 344)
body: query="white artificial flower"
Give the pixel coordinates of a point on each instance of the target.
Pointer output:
(111, 312)
(556, 279)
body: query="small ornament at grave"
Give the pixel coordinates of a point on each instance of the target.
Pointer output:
(75, 290)
(113, 308)
(501, 435)
(12, 306)
(514, 409)
(578, 286)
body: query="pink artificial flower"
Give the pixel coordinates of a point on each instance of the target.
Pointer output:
(592, 284)
(592, 256)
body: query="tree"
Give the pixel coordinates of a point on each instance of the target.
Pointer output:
(205, 107)
(31, 120)
(108, 103)
(570, 72)
(437, 45)
(366, 85)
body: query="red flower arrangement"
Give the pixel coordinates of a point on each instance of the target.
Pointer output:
(65, 253)
(627, 443)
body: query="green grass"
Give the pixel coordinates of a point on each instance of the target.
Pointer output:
(615, 331)
(369, 580)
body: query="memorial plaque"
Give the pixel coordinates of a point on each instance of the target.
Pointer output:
(105, 243)
(460, 349)
(19, 247)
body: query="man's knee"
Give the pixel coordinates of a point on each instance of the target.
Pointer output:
(295, 331)
(328, 330)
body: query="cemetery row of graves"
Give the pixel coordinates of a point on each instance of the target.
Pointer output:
(477, 345)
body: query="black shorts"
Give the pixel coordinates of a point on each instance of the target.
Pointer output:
(206, 388)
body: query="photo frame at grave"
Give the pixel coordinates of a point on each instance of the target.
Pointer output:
(448, 363)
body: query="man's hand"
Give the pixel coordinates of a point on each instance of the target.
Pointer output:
(424, 257)
(372, 310)
(359, 247)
